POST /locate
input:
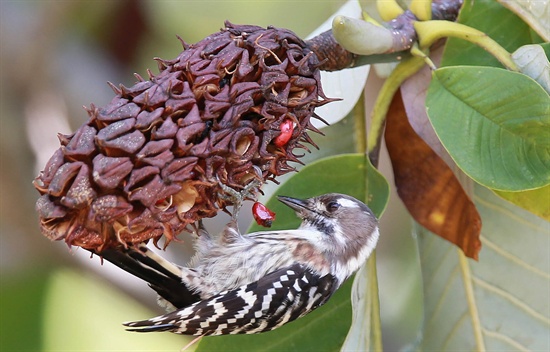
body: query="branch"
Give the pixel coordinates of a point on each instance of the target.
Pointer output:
(334, 57)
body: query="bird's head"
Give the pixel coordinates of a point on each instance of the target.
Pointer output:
(347, 227)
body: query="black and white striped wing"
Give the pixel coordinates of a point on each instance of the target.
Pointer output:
(274, 300)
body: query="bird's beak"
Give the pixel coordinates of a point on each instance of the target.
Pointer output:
(300, 206)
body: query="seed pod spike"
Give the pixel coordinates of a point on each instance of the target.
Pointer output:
(138, 77)
(160, 63)
(114, 88)
(183, 43)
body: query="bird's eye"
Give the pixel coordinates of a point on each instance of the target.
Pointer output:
(333, 206)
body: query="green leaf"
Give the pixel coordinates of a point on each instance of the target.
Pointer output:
(365, 333)
(83, 313)
(495, 124)
(359, 335)
(534, 12)
(499, 23)
(326, 328)
(537, 201)
(499, 303)
(532, 61)
(546, 48)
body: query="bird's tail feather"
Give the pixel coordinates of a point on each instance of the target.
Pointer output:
(161, 275)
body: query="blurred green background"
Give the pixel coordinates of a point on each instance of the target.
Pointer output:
(55, 57)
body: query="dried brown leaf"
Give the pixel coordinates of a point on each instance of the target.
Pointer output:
(428, 187)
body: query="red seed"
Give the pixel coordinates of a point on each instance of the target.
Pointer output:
(287, 128)
(160, 201)
(262, 214)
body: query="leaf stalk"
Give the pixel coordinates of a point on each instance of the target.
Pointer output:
(404, 70)
(431, 31)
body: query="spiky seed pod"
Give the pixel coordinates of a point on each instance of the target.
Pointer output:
(151, 162)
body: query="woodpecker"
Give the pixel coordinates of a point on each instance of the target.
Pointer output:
(247, 284)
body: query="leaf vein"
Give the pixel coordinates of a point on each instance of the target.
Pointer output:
(501, 337)
(509, 214)
(453, 331)
(512, 299)
(471, 300)
(516, 260)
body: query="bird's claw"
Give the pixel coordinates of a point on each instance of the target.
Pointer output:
(237, 197)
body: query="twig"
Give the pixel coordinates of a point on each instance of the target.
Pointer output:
(334, 57)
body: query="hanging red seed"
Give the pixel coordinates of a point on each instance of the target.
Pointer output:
(287, 128)
(262, 214)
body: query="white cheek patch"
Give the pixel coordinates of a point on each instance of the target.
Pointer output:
(339, 236)
(347, 203)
